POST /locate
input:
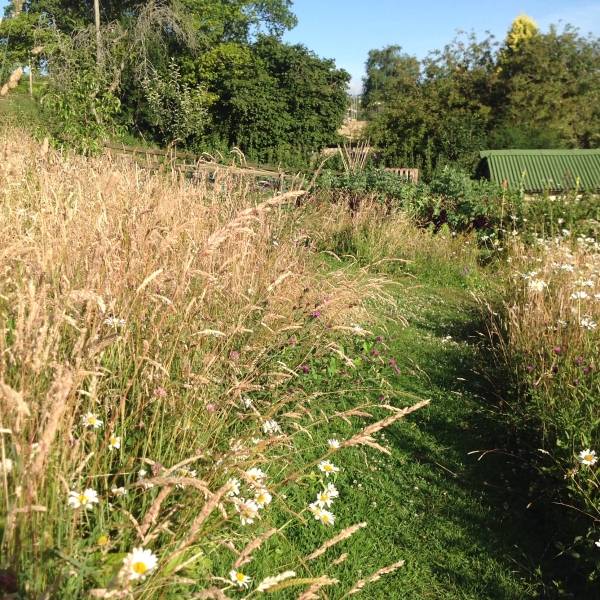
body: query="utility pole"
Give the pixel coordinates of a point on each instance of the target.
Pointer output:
(98, 37)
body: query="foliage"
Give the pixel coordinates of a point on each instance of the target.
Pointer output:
(176, 109)
(275, 101)
(451, 198)
(535, 90)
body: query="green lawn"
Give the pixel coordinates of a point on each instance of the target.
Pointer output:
(461, 524)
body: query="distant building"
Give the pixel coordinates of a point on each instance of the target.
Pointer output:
(542, 170)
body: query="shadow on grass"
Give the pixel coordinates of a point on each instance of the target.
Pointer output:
(476, 484)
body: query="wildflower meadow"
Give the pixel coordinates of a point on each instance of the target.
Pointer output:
(210, 389)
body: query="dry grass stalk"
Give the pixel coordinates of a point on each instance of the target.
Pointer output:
(244, 556)
(270, 582)
(343, 535)
(377, 575)
(364, 437)
(58, 395)
(152, 514)
(211, 594)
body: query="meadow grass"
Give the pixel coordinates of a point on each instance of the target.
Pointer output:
(204, 358)
(152, 331)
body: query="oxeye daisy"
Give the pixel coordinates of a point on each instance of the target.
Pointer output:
(114, 442)
(118, 491)
(6, 465)
(328, 467)
(83, 499)
(588, 457)
(326, 517)
(239, 578)
(256, 475)
(537, 285)
(271, 427)
(333, 443)
(326, 497)
(234, 487)
(248, 510)
(91, 420)
(315, 510)
(262, 497)
(138, 564)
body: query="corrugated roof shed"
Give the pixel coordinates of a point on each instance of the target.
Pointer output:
(551, 170)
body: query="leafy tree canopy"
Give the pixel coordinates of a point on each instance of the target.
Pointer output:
(535, 90)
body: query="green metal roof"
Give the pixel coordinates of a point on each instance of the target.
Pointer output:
(543, 169)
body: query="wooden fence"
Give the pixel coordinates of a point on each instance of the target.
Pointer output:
(185, 162)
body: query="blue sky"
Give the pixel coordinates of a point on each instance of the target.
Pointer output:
(346, 30)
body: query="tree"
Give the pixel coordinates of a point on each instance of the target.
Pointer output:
(275, 101)
(552, 90)
(389, 73)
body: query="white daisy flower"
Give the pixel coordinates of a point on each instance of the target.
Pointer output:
(271, 427)
(256, 475)
(326, 517)
(114, 322)
(138, 563)
(247, 402)
(315, 510)
(185, 473)
(262, 497)
(239, 578)
(587, 322)
(83, 499)
(91, 420)
(579, 296)
(114, 442)
(597, 543)
(328, 467)
(248, 510)
(326, 497)
(234, 487)
(588, 457)
(537, 285)
(6, 465)
(142, 475)
(118, 491)
(333, 443)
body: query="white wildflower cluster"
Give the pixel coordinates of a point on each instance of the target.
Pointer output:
(184, 473)
(248, 509)
(581, 295)
(586, 322)
(324, 499)
(271, 427)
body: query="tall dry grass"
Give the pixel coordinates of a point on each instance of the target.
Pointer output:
(547, 335)
(143, 323)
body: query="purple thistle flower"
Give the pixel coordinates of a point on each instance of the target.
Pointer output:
(292, 341)
(375, 353)
(210, 408)
(529, 368)
(234, 355)
(575, 381)
(304, 369)
(316, 314)
(557, 350)
(579, 361)
(326, 299)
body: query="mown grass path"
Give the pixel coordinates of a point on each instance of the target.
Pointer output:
(460, 520)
